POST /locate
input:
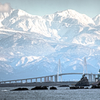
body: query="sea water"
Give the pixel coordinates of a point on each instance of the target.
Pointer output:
(61, 94)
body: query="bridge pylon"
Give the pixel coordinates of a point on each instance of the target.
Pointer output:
(59, 72)
(85, 66)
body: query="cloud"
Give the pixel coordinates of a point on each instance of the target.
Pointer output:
(5, 7)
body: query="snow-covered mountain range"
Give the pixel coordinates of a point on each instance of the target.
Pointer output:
(31, 45)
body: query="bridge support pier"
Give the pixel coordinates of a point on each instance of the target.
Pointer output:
(48, 79)
(94, 78)
(21, 81)
(90, 77)
(51, 78)
(31, 80)
(44, 79)
(55, 78)
(26, 80)
(36, 79)
(40, 79)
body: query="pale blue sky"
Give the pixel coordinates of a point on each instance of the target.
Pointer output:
(44, 7)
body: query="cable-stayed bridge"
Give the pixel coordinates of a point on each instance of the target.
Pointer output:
(50, 78)
(53, 78)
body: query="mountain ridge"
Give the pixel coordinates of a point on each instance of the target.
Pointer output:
(32, 45)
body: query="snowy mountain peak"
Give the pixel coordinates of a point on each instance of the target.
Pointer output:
(82, 18)
(70, 16)
(69, 12)
(97, 19)
(19, 13)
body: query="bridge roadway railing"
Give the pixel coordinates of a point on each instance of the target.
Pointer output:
(50, 78)
(30, 80)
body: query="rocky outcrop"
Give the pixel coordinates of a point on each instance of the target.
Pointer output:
(40, 88)
(96, 85)
(83, 82)
(77, 87)
(64, 86)
(53, 88)
(19, 89)
(74, 87)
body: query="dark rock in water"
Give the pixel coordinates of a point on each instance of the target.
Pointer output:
(83, 82)
(99, 83)
(74, 87)
(95, 87)
(36, 88)
(53, 88)
(77, 87)
(19, 89)
(64, 86)
(81, 87)
(80, 84)
(40, 88)
(44, 88)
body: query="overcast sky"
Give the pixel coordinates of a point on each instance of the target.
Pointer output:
(44, 7)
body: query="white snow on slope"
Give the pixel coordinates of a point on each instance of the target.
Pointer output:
(97, 19)
(27, 59)
(32, 45)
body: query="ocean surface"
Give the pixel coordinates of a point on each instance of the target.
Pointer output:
(60, 94)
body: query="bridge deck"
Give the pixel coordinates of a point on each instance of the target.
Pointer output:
(46, 78)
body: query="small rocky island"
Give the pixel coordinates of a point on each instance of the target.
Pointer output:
(83, 82)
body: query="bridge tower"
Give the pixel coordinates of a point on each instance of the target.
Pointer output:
(85, 66)
(59, 71)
